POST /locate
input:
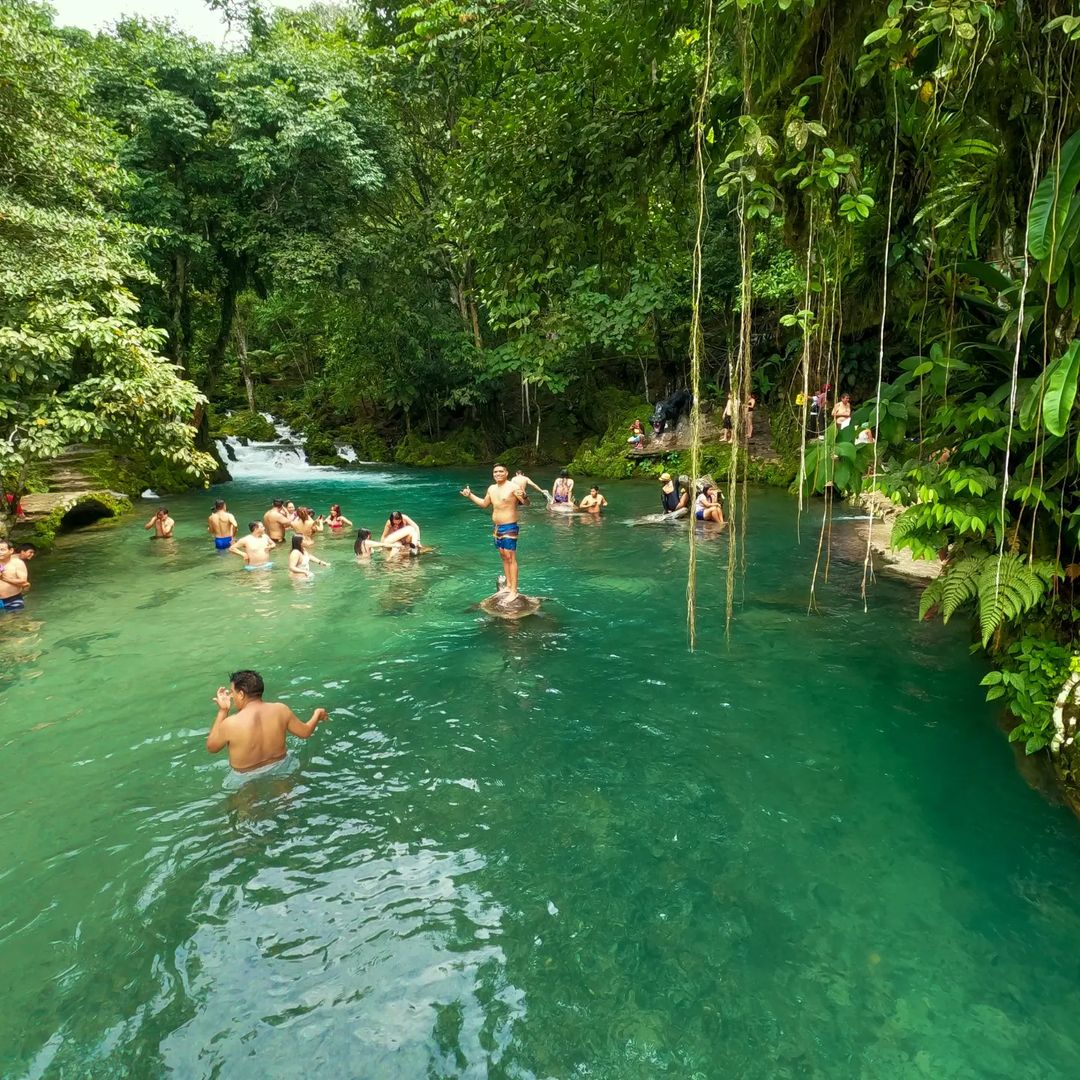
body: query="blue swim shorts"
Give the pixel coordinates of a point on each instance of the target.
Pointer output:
(259, 566)
(222, 543)
(12, 603)
(506, 536)
(700, 515)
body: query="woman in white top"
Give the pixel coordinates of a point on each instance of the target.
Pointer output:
(300, 560)
(707, 506)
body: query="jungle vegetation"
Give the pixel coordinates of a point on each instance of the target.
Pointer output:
(435, 229)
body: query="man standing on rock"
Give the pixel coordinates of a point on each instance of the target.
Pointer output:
(221, 525)
(504, 498)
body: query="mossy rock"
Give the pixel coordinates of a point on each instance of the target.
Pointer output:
(74, 510)
(319, 449)
(461, 448)
(246, 425)
(366, 441)
(606, 457)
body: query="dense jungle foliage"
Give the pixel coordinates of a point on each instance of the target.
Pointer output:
(440, 229)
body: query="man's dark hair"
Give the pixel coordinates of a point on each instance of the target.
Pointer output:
(219, 504)
(164, 510)
(253, 525)
(277, 504)
(248, 682)
(25, 547)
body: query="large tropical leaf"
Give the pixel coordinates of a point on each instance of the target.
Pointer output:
(1053, 199)
(1060, 394)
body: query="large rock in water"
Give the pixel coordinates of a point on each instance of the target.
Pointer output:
(499, 605)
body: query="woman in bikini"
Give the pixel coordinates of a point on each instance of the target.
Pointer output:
(336, 519)
(562, 493)
(395, 523)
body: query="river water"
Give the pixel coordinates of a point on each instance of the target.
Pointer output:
(555, 848)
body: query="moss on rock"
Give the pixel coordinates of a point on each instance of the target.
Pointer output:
(74, 510)
(246, 425)
(461, 448)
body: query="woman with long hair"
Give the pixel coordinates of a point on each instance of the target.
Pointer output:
(300, 560)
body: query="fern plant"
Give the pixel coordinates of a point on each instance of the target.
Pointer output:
(1004, 588)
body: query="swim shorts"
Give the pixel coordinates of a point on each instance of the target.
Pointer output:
(12, 603)
(259, 566)
(506, 536)
(222, 542)
(700, 515)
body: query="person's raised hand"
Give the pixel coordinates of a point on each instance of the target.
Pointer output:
(466, 491)
(320, 716)
(223, 698)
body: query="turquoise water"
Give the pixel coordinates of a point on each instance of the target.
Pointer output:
(555, 848)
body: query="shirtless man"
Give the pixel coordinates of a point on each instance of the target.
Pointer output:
(276, 521)
(594, 502)
(14, 579)
(504, 498)
(521, 481)
(255, 733)
(162, 524)
(255, 548)
(221, 525)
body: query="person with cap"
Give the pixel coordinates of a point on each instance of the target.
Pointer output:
(673, 496)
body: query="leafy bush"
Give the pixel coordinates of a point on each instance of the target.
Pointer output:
(1032, 672)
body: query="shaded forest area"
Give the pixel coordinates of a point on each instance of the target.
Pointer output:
(442, 230)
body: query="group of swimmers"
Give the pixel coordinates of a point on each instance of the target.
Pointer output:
(255, 732)
(400, 536)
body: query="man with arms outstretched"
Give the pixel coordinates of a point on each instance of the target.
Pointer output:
(255, 733)
(504, 498)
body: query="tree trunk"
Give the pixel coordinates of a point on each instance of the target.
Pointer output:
(179, 312)
(240, 337)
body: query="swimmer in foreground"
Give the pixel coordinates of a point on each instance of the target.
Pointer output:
(276, 521)
(221, 525)
(255, 548)
(162, 524)
(14, 579)
(594, 502)
(504, 498)
(255, 733)
(300, 561)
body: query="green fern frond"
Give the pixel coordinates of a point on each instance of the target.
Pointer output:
(961, 584)
(931, 595)
(1008, 588)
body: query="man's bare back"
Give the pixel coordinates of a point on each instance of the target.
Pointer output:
(255, 733)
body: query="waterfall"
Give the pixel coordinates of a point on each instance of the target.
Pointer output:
(281, 459)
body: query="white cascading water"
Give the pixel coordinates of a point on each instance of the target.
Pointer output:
(282, 459)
